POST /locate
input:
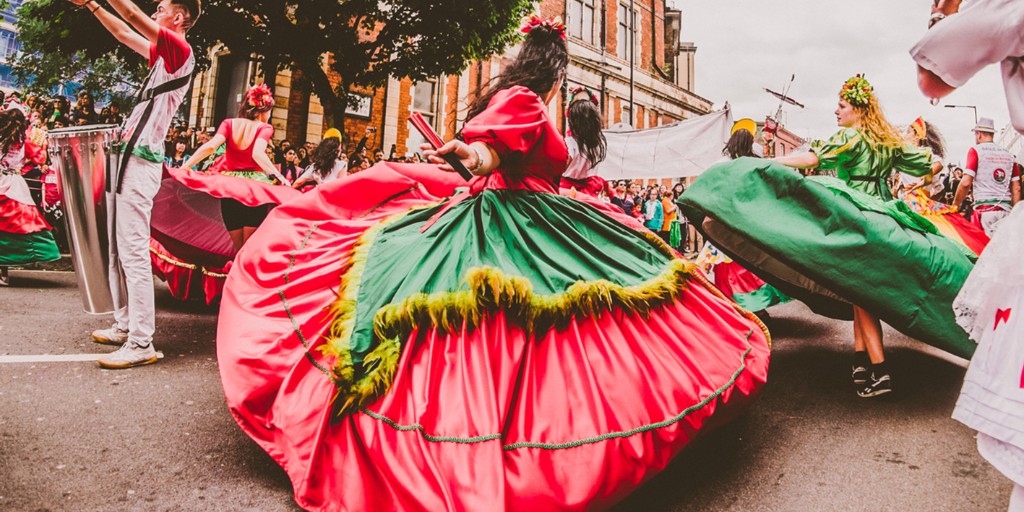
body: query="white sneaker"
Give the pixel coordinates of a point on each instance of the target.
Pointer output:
(111, 336)
(5, 280)
(129, 355)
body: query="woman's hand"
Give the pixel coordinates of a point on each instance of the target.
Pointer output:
(460, 149)
(280, 179)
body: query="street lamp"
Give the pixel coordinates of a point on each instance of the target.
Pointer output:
(972, 107)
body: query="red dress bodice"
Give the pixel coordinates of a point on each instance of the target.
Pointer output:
(238, 158)
(532, 151)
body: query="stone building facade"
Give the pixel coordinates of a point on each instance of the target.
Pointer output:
(599, 36)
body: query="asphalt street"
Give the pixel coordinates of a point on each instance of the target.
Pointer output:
(75, 437)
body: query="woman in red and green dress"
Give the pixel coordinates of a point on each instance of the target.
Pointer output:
(25, 236)
(396, 348)
(842, 244)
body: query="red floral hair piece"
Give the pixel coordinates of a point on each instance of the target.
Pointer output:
(260, 98)
(555, 24)
(590, 94)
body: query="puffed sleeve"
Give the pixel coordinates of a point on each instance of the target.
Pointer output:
(512, 123)
(914, 161)
(224, 130)
(836, 151)
(266, 132)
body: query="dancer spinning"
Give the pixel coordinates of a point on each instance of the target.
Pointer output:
(245, 158)
(396, 350)
(833, 242)
(200, 221)
(25, 236)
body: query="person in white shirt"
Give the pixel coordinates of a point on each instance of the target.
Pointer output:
(327, 164)
(993, 175)
(134, 184)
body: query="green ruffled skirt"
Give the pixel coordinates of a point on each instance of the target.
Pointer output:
(25, 249)
(831, 246)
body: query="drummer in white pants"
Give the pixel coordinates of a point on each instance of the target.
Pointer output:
(136, 181)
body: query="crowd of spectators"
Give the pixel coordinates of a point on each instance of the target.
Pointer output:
(655, 207)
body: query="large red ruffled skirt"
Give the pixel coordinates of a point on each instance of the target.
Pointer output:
(482, 420)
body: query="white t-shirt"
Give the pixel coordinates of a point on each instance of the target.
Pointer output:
(340, 170)
(170, 58)
(579, 167)
(984, 32)
(994, 171)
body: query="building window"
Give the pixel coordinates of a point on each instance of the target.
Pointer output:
(626, 34)
(9, 45)
(581, 20)
(627, 113)
(424, 101)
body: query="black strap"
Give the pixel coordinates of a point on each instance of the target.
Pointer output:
(865, 178)
(147, 96)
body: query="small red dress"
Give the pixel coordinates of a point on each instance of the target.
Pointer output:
(510, 348)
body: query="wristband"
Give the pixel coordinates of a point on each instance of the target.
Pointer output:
(935, 18)
(94, 9)
(479, 159)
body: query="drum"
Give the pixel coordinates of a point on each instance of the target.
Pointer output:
(87, 159)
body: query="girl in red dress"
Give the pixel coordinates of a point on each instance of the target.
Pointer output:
(201, 220)
(394, 348)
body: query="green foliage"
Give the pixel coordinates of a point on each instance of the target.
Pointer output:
(59, 47)
(370, 40)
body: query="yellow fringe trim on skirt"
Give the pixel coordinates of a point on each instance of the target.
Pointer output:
(490, 290)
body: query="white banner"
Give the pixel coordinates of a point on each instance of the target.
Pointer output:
(677, 150)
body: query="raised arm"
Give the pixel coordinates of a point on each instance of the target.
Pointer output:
(145, 25)
(259, 155)
(118, 28)
(204, 151)
(808, 160)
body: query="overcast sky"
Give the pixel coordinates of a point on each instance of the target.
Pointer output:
(743, 46)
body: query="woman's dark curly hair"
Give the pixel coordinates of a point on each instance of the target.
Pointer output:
(12, 128)
(740, 144)
(585, 122)
(541, 63)
(325, 155)
(933, 140)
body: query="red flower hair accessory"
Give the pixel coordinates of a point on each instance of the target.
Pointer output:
(260, 98)
(555, 24)
(580, 89)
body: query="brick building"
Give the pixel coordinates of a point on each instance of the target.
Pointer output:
(599, 44)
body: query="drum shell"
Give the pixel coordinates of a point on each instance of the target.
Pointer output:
(87, 160)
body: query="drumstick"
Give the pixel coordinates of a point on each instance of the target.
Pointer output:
(435, 140)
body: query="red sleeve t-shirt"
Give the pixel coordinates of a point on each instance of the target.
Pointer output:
(972, 162)
(172, 47)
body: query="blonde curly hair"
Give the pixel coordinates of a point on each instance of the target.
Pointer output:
(879, 131)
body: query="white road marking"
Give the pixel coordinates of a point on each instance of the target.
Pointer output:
(56, 358)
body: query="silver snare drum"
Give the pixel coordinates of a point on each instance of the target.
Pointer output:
(86, 158)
